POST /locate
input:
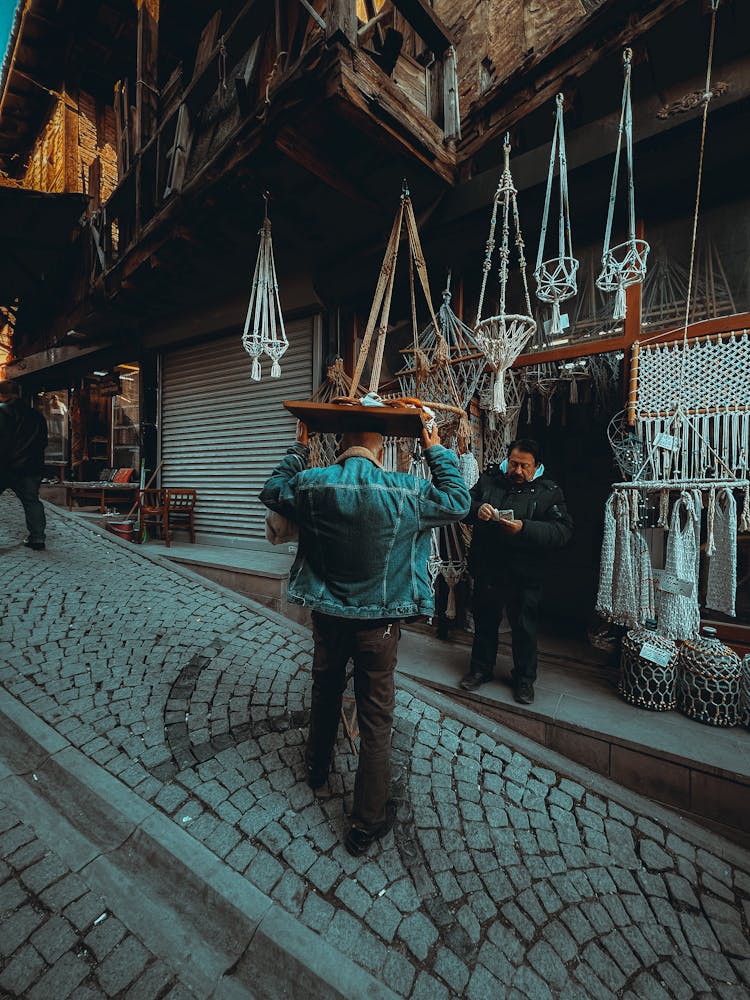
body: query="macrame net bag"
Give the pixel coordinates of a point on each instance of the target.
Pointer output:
(264, 331)
(503, 336)
(624, 264)
(556, 277)
(501, 429)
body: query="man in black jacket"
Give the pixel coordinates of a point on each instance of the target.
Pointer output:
(23, 438)
(518, 515)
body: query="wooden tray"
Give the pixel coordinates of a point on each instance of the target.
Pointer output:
(336, 418)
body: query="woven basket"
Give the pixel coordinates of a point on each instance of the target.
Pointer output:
(708, 685)
(643, 682)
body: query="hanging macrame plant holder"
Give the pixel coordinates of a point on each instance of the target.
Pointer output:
(264, 331)
(556, 277)
(625, 264)
(502, 337)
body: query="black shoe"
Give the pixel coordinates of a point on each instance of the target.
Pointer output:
(316, 776)
(523, 692)
(359, 841)
(37, 546)
(473, 680)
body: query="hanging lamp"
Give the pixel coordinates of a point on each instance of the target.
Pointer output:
(625, 264)
(264, 324)
(556, 277)
(503, 336)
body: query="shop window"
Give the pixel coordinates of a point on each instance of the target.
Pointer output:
(126, 427)
(54, 408)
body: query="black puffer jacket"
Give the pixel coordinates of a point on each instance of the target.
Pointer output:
(23, 438)
(495, 556)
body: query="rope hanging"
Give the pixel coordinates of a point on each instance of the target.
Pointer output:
(556, 277)
(264, 324)
(503, 336)
(448, 404)
(625, 264)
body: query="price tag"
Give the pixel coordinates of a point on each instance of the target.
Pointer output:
(666, 441)
(668, 583)
(655, 654)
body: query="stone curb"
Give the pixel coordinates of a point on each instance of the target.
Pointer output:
(636, 803)
(226, 938)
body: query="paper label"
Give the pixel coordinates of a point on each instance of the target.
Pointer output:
(504, 515)
(666, 441)
(668, 583)
(655, 654)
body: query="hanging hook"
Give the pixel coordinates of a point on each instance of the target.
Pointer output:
(266, 199)
(559, 100)
(627, 56)
(405, 193)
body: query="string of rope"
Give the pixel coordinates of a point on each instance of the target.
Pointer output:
(565, 238)
(704, 126)
(626, 126)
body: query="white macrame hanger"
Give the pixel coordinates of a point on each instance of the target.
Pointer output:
(556, 277)
(501, 338)
(625, 264)
(264, 331)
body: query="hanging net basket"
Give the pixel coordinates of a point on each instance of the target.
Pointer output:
(556, 277)
(624, 264)
(502, 337)
(264, 324)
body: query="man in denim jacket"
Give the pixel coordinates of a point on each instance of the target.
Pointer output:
(361, 567)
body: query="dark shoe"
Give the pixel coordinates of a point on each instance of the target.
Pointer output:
(523, 692)
(316, 776)
(473, 680)
(37, 546)
(359, 841)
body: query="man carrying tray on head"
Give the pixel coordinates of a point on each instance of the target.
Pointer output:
(361, 567)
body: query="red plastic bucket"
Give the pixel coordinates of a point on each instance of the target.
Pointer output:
(123, 529)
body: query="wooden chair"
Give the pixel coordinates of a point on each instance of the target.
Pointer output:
(152, 508)
(180, 506)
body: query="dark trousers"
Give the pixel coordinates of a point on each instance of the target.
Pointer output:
(372, 645)
(26, 489)
(521, 602)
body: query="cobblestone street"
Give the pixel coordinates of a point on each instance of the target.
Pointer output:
(502, 878)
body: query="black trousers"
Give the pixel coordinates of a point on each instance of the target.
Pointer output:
(372, 645)
(26, 488)
(521, 602)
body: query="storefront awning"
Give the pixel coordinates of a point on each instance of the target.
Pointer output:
(35, 230)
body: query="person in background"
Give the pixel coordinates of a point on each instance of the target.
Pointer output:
(361, 568)
(518, 515)
(23, 438)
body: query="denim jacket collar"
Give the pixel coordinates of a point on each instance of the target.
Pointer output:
(358, 452)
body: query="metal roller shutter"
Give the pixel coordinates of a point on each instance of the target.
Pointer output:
(223, 434)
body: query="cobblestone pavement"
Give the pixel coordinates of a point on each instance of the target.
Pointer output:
(502, 878)
(58, 937)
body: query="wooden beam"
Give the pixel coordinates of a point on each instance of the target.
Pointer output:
(341, 21)
(147, 80)
(299, 148)
(426, 23)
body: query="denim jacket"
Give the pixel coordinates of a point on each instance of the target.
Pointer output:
(364, 533)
